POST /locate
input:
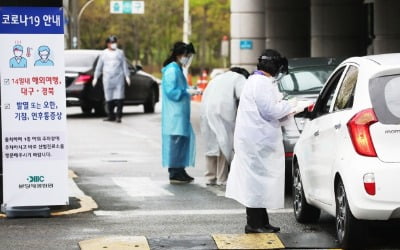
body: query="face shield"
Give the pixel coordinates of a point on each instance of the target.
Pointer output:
(188, 57)
(186, 60)
(279, 76)
(283, 69)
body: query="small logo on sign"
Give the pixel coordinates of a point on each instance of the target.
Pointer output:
(34, 179)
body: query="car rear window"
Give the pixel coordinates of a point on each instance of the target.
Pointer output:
(305, 80)
(385, 98)
(80, 60)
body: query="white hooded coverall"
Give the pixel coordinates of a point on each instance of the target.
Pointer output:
(218, 113)
(113, 66)
(257, 173)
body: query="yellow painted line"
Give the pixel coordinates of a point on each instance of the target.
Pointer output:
(116, 243)
(71, 174)
(86, 202)
(248, 241)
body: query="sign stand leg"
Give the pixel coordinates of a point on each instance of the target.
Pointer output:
(34, 211)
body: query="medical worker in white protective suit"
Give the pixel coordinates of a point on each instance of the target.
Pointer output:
(112, 64)
(178, 139)
(257, 173)
(218, 114)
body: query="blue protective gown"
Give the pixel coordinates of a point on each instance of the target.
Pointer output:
(178, 139)
(21, 63)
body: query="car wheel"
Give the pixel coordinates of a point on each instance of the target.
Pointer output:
(86, 108)
(348, 229)
(100, 109)
(304, 212)
(150, 104)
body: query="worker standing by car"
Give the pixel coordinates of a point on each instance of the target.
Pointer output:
(178, 139)
(115, 72)
(218, 114)
(257, 173)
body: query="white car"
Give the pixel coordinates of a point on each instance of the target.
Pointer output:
(347, 159)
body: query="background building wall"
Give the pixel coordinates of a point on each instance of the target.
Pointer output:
(247, 26)
(386, 26)
(338, 28)
(314, 28)
(287, 27)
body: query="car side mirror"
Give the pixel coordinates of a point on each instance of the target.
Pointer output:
(132, 70)
(309, 112)
(310, 108)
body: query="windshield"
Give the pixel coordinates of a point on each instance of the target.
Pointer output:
(80, 60)
(305, 80)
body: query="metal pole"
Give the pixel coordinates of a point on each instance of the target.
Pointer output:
(186, 21)
(74, 23)
(186, 26)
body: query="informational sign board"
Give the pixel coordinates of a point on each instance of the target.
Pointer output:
(246, 44)
(127, 7)
(33, 106)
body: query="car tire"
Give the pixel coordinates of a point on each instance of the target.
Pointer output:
(86, 108)
(303, 212)
(349, 230)
(100, 109)
(149, 105)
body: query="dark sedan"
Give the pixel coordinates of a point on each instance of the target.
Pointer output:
(79, 70)
(304, 80)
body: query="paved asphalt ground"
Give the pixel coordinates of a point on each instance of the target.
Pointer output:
(120, 198)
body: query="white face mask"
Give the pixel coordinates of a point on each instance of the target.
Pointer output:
(44, 56)
(186, 60)
(18, 53)
(113, 46)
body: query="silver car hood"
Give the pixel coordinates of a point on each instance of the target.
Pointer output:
(141, 72)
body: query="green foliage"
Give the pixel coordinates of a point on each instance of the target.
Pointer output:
(210, 22)
(148, 38)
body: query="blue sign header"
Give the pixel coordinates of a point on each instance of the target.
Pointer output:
(31, 20)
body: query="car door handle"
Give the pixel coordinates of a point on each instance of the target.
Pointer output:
(316, 133)
(337, 126)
